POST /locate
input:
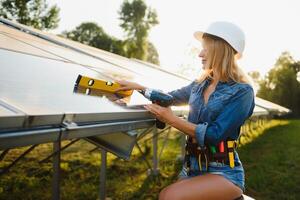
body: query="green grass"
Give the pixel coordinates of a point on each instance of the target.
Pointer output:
(271, 158)
(272, 163)
(80, 173)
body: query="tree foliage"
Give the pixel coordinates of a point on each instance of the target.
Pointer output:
(90, 33)
(281, 85)
(35, 13)
(137, 20)
(152, 54)
(255, 75)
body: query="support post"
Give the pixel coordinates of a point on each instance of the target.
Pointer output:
(103, 175)
(155, 157)
(56, 171)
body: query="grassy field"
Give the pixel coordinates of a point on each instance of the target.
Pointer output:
(271, 159)
(272, 163)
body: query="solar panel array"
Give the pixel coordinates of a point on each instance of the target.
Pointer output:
(37, 102)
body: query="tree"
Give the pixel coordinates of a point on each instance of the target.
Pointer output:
(255, 75)
(256, 78)
(137, 20)
(281, 85)
(85, 33)
(90, 33)
(152, 54)
(35, 13)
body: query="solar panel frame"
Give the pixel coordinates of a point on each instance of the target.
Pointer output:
(23, 137)
(10, 117)
(259, 111)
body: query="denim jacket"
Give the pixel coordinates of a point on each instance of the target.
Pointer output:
(225, 112)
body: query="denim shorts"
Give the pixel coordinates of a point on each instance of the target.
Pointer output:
(235, 175)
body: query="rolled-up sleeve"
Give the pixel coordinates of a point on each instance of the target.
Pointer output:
(182, 95)
(231, 118)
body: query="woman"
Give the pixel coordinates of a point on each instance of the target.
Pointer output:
(220, 101)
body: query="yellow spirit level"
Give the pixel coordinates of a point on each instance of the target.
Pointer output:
(102, 85)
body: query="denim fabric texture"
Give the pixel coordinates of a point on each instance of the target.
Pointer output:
(221, 118)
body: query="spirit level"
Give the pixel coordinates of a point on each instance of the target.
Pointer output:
(98, 93)
(120, 100)
(102, 85)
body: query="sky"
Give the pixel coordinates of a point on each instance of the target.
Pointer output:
(271, 27)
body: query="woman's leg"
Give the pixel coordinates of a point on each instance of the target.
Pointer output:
(206, 187)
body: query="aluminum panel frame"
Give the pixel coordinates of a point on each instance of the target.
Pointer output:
(28, 137)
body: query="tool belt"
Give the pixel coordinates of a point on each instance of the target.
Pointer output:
(222, 153)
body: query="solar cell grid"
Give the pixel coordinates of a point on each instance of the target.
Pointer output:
(39, 86)
(9, 43)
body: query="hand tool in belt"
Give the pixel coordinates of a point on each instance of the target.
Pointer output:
(205, 155)
(231, 146)
(200, 153)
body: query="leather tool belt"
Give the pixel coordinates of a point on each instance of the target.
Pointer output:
(223, 153)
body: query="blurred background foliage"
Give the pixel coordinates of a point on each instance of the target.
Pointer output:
(281, 84)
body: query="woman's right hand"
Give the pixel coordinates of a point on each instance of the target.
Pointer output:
(128, 85)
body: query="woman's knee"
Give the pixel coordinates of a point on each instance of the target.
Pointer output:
(161, 194)
(169, 193)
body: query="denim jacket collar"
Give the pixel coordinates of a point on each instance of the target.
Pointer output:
(230, 82)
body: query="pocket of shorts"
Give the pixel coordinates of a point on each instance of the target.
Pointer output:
(214, 166)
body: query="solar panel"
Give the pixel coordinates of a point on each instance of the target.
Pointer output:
(42, 89)
(41, 86)
(48, 49)
(144, 73)
(10, 117)
(6, 42)
(270, 106)
(141, 73)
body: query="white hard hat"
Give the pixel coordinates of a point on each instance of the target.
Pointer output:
(228, 32)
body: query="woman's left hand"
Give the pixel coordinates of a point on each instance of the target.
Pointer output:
(164, 114)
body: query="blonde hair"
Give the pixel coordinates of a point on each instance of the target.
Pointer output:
(221, 58)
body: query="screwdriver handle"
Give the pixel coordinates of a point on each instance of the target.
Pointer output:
(221, 147)
(230, 145)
